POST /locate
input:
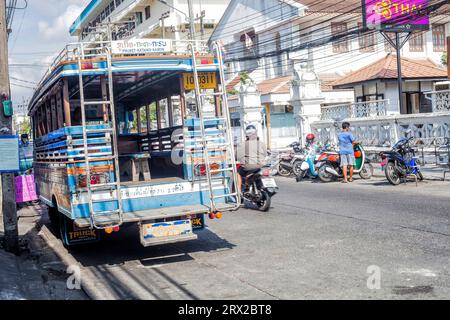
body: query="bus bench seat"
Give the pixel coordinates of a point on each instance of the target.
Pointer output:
(134, 165)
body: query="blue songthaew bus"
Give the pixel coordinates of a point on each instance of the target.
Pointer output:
(134, 136)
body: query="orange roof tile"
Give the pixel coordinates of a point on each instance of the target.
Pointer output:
(230, 85)
(386, 68)
(278, 85)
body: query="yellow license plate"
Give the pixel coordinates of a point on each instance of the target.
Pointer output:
(167, 229)
(206, 80)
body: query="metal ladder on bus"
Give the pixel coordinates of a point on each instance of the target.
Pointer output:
(230, 160)
(114, 187)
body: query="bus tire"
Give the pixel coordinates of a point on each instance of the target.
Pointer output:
(63, 221)
(53, 214)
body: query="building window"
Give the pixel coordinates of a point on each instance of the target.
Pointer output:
(366, 40)
(249, 43)
(439, 37)
(147, 13)
(339, 30)
(139, 18)
(416, 42)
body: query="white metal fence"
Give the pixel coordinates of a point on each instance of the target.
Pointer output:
(428, 129)
(440, 100)
(355, 110)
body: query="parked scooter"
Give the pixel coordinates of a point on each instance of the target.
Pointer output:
(329, 165)
(287, 163)
(258, 188)
(400, 162)
(306, 168)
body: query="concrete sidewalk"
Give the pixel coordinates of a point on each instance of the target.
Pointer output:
(37, 273)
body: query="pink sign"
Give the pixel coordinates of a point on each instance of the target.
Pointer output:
(401, 15)
(25, 189)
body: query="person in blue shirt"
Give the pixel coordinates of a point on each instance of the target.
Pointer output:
(346, 152)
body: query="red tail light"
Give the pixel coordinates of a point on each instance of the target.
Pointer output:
(87, 65)
(266, 173)
(200, 170)
(95, 179)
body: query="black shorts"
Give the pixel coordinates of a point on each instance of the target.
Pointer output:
(245, 172)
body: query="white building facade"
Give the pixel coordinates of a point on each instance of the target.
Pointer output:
(279, 42)
(149, 18)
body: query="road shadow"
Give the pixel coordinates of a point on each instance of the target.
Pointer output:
(113, 261)
(119, 248)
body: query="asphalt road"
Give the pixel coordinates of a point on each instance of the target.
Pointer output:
(317, 242)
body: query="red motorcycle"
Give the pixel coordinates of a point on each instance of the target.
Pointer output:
(329, 165)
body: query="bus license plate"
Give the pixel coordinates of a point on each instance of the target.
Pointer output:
(167, 229)
(206, 80)
(269, 183)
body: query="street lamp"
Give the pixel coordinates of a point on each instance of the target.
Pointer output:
(189, 18)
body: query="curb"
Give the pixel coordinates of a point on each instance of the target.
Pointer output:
(88, 279)
(377, 175)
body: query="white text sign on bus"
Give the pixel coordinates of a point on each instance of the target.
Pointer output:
(141, 46)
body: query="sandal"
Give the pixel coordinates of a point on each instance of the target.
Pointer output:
(343, 181)
(350, 180)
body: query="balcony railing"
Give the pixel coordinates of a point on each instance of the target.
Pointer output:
(355, 110)
(440, 100)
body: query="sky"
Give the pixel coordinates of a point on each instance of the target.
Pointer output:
(39, 33)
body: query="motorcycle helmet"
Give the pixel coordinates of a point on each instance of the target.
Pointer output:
(310, 138)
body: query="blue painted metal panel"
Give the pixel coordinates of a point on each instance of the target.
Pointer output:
(148, 203)
(84, 15)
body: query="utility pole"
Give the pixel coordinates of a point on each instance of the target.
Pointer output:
(397, 44)
(202, 25)
(164, 16)
(8, 192)
(191, 20)
(398, 47)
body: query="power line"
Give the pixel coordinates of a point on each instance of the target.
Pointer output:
(21, 80)
(341, 63)
(22, 86)
(311, 32)
(313, 43)
(20, 26)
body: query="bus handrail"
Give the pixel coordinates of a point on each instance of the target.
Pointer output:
(67, 54)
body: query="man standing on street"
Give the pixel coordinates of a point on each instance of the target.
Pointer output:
(346, 141)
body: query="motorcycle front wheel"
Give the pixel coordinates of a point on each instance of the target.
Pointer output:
(325, 176)
(366, 171)
(300, 176)
(391, 174)
(264, 204)
(297, 168)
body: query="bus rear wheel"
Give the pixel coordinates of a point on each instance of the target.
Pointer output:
(63, 229)
(53, 215)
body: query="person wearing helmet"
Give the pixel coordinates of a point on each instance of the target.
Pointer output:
(251, 154)
(310, 139)
(310, 158)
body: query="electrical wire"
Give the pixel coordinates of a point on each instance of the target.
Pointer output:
(351, 33)
(341, 63)
(20, 26)
(326, 39)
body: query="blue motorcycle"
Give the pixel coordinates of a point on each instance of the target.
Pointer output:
(400, 162)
